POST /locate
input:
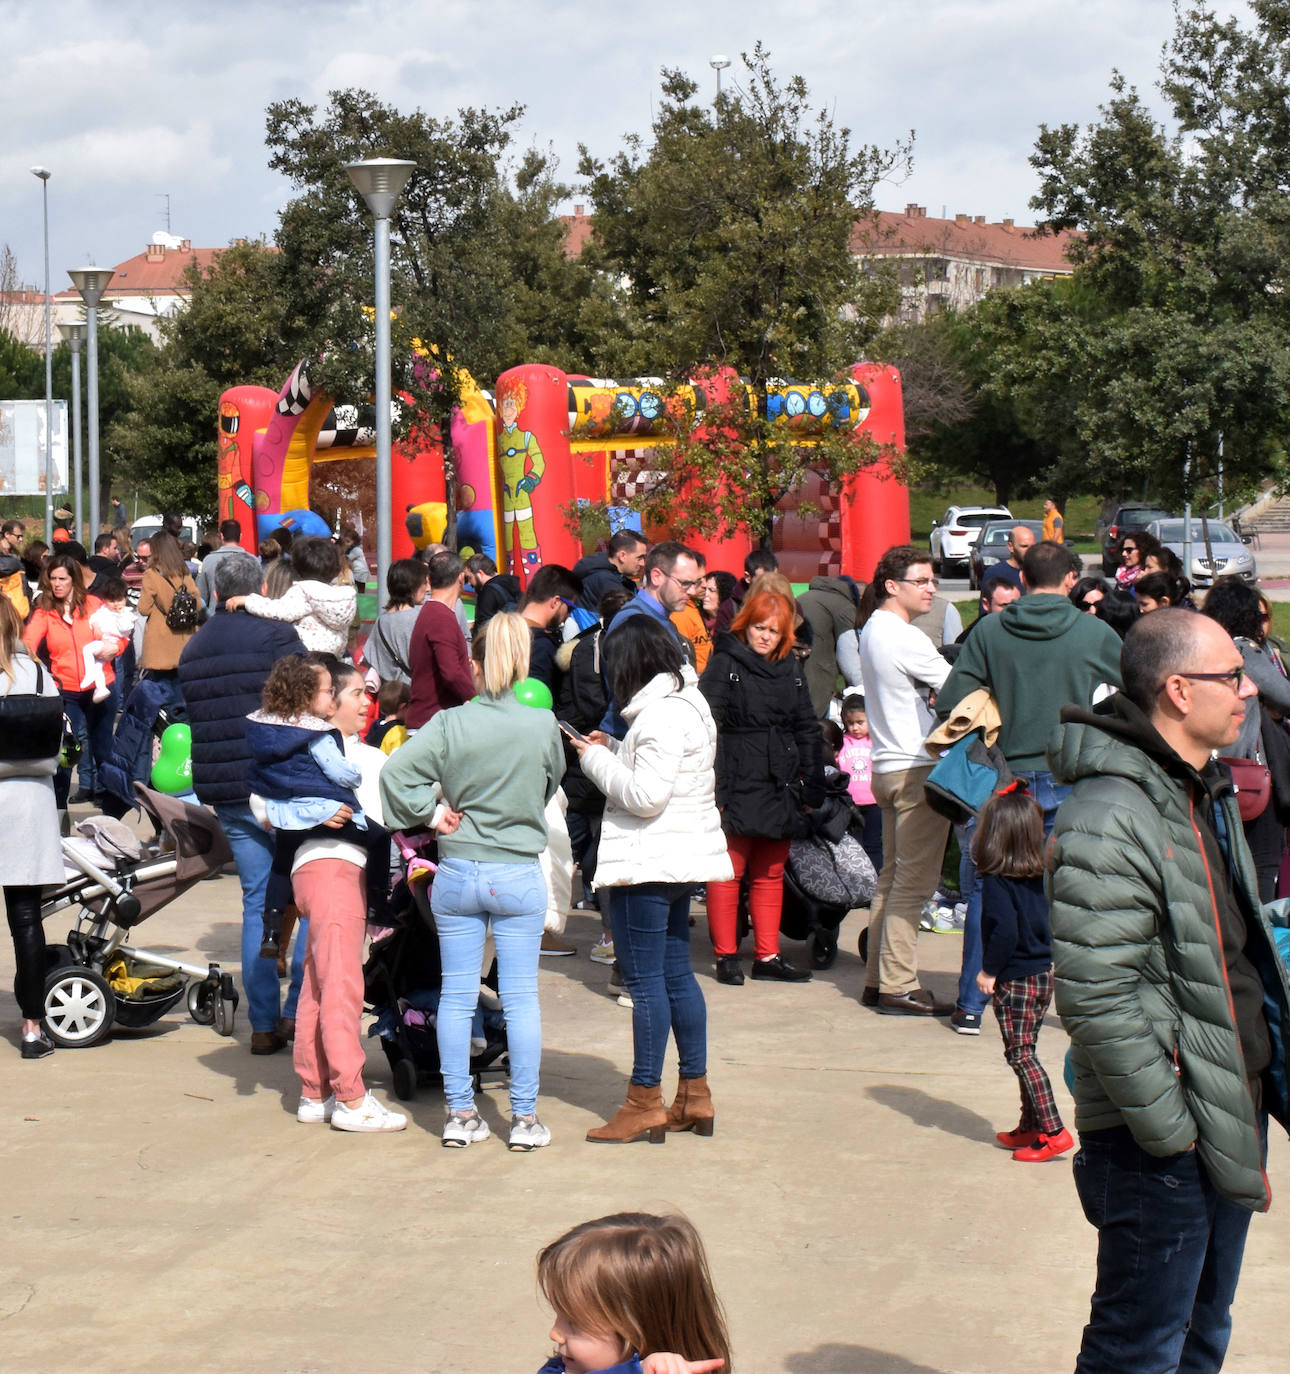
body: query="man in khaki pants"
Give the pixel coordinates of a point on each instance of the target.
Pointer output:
(901, 669)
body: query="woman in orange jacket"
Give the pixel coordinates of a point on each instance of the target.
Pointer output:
(58, 631)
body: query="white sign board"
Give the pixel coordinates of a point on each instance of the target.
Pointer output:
(22, 447)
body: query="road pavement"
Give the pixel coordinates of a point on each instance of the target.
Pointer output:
(166, 1210)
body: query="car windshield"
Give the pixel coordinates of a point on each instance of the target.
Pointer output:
(996, 537)
(1139, 517)
(1171, 532)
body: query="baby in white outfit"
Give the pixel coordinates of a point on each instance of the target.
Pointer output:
(113, 624)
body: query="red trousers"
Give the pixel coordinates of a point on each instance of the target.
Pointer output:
(763, 860)
(329, 1055)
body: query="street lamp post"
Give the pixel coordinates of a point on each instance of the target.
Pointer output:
(379, 180)
(91, 282)
(44, 174)
(718, 62)
(74, 337)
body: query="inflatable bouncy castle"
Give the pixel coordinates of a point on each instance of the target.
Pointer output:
(544, 441)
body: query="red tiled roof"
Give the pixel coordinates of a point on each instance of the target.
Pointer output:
(578, 229)
(891, 234)
(153, 273)
(22, 296)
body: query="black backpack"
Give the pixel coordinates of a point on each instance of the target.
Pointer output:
(185, 610)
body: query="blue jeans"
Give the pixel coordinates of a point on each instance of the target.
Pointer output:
(970, 999)
(651, 925)
(92, 724)
(1169, 1254)
(466, 897)
(1047, 793)
(253, 853)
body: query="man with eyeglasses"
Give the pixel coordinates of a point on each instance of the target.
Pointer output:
(1168, 982)
(672, 573)
(551, 594)
(901, 670)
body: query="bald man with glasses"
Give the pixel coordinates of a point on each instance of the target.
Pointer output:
(1168, 982)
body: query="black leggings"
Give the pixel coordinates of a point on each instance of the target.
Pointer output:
(22, 905)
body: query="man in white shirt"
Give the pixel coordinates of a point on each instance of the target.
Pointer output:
(901, 669)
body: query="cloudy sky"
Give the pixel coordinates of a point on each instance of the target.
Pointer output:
(127, 103)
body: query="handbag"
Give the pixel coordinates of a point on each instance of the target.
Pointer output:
(968, 773)
(31, 724)
(1252, 782)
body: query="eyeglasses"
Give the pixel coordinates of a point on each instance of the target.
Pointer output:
(1234, 677)
(687, 584)
(1129, 548)
(564, 601)
(917, 581)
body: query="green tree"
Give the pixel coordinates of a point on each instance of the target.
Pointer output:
(239, 327)
(728, 240)
(22, 370)
(478, 270)
(1173, 343)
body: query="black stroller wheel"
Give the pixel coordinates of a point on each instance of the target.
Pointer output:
(864, 944)
(823, 948)
(405, 1080)
(79, 1007)
(224, 1005)
(201, 1001)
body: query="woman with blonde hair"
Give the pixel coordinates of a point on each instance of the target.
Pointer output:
(496, 763)
(31, 857)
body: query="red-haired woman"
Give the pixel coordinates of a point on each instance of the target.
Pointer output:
(768, 769)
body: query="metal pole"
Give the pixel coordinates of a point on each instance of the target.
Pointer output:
(92, 361)
(384, 478)
(49, 374)
(78, 500)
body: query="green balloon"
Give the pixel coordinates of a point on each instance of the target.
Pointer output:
(533, 692)
(173, 770)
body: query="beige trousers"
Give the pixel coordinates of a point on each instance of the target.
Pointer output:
(913, 849)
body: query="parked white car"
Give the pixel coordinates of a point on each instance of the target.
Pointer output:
(955, 532)
(1232, 558)
(148, 525)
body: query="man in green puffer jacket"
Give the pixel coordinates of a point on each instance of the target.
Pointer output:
(1168, 983)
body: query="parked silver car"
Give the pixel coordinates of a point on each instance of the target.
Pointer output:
(1231, 556)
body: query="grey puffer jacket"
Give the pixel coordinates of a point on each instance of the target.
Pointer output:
(1139, 976)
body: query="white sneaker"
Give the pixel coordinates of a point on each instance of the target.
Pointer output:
(311, 1111)
(625, 999)
(369, 1115)
(464, 1128)
(528, 1133)
(603, 953)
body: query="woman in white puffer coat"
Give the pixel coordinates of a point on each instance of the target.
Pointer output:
(661, 836)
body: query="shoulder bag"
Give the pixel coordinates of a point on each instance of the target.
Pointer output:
(31, 724)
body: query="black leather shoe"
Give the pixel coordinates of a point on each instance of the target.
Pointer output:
(728, 970)
(868, 997)
(918, 1002)
(778, 971)
(271, 935)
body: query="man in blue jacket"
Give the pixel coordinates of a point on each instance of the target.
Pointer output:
(222, 672)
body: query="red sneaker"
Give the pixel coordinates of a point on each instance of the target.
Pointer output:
(1046, 1147)
(1014, 1140)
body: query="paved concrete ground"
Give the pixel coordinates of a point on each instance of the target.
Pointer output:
(165, 1209)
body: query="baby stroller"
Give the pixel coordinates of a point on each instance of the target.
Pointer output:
(402, 980)
(827, 875)
(96, 979)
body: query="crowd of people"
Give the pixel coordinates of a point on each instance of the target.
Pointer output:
(678, 726)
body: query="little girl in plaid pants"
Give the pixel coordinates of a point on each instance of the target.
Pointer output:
(1017, 963)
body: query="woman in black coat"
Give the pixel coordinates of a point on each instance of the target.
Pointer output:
(768, 770)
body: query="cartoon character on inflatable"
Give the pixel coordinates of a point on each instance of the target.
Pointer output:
(519, 455)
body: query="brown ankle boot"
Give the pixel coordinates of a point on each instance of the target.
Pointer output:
(641, 1116)
(691, 1109)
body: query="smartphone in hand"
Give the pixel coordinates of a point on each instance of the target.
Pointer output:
(572, 733)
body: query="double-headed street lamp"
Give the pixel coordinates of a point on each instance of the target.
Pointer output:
(91, 282)
(379, 180)
(74, 337)
(44, 174)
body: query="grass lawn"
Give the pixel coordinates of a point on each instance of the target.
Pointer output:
(927, 504)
